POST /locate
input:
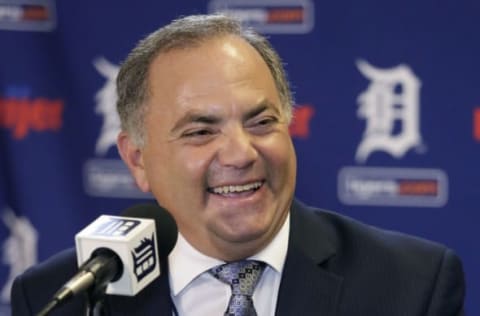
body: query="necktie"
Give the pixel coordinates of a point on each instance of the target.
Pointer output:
(242, 276)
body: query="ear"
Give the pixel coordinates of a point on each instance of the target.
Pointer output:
(132, 155)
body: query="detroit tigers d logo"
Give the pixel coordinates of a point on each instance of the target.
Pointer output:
(390, 106)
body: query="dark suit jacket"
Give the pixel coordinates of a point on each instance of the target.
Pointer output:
(334, 266)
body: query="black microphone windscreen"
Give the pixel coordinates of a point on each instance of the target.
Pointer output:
(164, 224)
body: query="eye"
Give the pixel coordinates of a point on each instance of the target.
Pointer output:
(197, 133)
(266, 121)
(199, 136)
(262, 124)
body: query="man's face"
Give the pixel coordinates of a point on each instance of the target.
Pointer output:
(217, 153)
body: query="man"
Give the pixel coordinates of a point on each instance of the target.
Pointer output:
(205, 107)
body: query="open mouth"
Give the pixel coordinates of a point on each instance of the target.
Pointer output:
(232, 189)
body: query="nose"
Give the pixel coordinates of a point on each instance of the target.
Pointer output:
(237, 149)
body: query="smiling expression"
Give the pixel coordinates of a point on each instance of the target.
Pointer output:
(217, 151)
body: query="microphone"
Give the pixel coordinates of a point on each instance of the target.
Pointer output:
(119, 254)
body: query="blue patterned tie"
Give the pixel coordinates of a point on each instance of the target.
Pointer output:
(242, 276)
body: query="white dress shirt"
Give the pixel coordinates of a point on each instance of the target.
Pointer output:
(195, 292)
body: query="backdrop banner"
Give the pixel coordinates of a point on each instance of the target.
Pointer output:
(387, 117)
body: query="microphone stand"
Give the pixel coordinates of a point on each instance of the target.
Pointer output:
(94, 303)
(95, 298)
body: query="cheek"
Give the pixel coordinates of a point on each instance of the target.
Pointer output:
(195, 163)
(279, 150)
(184, 171)
(157, 169)
(280, 157)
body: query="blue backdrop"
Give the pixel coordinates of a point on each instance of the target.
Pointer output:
(387, 124)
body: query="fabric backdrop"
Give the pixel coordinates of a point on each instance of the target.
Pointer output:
(387, 124)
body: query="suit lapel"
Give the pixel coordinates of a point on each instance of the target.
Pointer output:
(306, 287)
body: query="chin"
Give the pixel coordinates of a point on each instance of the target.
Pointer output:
(245, 234)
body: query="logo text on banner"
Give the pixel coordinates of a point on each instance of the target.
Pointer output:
(269, 16)
(476, 124)
(21, 114)
(300, 125)
(393, 186)
(27, 15)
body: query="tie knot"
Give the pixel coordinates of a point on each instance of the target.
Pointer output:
(242, 276)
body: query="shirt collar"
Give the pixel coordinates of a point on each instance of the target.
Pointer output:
(186, 263)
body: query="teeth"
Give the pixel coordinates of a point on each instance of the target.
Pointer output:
(237, 188)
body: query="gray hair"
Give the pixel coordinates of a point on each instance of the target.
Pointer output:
(186, 32)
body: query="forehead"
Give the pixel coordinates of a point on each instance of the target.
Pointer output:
(228, 63)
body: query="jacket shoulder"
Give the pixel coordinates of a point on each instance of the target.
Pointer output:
(398, 269)
(32, 290)
(356, 238)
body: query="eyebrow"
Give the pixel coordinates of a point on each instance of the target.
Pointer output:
(194, 116)
(261, 107)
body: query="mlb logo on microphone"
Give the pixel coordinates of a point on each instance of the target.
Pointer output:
(117, 227)
(133, 240)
